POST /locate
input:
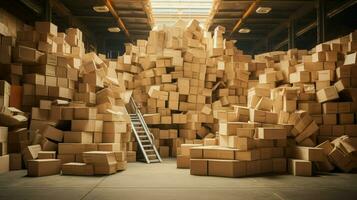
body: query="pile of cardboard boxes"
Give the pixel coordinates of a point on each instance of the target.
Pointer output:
(77, 105)
(310, 95)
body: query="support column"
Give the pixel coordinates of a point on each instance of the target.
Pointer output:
(48, 10)
(321, 21)
(291, 34)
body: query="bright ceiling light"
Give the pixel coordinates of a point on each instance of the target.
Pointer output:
(263, 10)
(101, 9)
(114, 29)
(244, 30)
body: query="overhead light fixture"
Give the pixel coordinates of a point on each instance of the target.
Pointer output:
(244, 30)
(101, 9)
(263, 10)
(114, 29)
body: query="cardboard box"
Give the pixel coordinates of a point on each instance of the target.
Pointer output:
(66, 158)
(245, 143)
(327, 94)
(4, 163)
(279, 165)
(300, 167)
(52, 133)
(247, 155)
(43, 167)
(87, 125)
(78, 169)
(183, 161)
(31, 152)
(15, 161)
(308, 153)
(85, 113)
(78, 137)
(114, 127)
(47, 155)
(199, 167)
(46, 28)
(183, 86)
(227, 168)
(218, 153)
(272, 133)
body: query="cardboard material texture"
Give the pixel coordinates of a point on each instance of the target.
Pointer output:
(300, 167)
(43, 167)
(79, 169)
(199, 167)
(227, 168)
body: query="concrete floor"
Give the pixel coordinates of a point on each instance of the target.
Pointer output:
(164, 181)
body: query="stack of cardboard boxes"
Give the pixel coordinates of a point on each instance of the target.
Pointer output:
(77, 104)
(244, 151)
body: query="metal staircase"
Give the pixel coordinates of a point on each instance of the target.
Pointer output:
(143, 135)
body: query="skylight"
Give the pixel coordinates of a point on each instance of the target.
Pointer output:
(167, 12)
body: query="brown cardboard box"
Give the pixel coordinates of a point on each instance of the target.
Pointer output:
(346, 118)
(47, 155)
(48, 145)
(46, 28)
(199, 167)
(114, 127)
(183, 161)
(227, 168)
(253, 167)
(279, 165)
(26, 55)
(75, 148)
(245, 143)
(308, 153)
(266, 166)
(245, 132)
(308, 131)
(247, 155)
(43, 167)
(300, 167)
(85, 113)
(78, 137)
(31, 152)
(327, 94)
(108, 147)
(52, 133)
(196, 152)
(87, 125)
(3, 133)
(122, 165)
(218, 153)
(4, 164)
(185, 148)
(164, 151)
(15, 161)
(66, 158)
(79, 169)
(183, 86)
(272, 133)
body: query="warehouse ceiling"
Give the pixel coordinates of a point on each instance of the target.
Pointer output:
(136, 18)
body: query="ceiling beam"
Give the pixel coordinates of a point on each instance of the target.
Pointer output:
(245, 15)
(120, 22)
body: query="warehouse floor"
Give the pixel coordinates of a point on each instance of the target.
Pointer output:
(164, 181)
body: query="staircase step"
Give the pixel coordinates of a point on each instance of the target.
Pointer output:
(147, 145)
(154, 161)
